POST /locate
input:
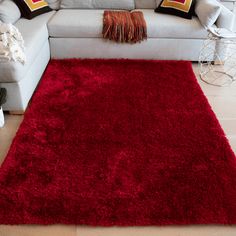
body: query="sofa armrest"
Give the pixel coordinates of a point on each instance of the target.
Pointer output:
(226, 19)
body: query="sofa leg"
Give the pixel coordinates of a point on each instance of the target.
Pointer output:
(17, 112)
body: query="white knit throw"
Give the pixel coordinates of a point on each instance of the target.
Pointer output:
(11, 44)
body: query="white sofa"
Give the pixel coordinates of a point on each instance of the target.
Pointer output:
(76, 33)
(21, 80)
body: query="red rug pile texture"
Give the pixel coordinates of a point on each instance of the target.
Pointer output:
(119, 142)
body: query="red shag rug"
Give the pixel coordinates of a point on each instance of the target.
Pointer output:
(119, 142)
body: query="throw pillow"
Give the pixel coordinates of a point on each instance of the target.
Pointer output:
(98, 4)
(182, 8)
(208, 12)
(226, 19)
(9, 12)
(32, 8)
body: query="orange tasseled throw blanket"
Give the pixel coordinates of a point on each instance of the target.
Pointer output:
(124, 26)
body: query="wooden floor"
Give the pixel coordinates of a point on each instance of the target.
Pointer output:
(223, 102)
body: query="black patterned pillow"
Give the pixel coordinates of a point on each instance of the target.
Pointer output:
(182, 8)
(32, 8)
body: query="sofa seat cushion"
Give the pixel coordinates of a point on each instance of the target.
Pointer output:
(34, 33)
(77, 23)
(161, 25)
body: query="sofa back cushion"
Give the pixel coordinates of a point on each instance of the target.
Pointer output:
(54, 4)
(9, 12)
(145, 4)
(98, 4)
